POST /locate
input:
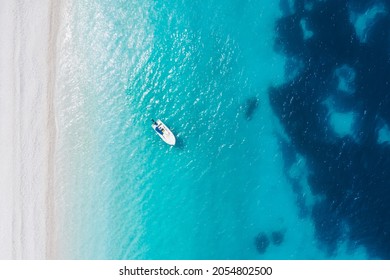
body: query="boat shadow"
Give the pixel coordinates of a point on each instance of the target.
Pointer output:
(180, 144)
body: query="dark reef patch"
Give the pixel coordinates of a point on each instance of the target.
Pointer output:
(285, 7)
(262, 242)
(288, 153)
(277, 237)
(251, 106)
(352, 175)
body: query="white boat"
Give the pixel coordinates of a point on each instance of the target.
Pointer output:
(164, 132)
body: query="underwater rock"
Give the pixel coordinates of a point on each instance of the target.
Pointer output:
(277, 237)
(262, 242)
(250, 107)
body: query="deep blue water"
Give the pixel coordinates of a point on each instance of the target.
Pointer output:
(281, 114)
(346, 62)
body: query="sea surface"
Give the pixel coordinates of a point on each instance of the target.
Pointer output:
(281, 112)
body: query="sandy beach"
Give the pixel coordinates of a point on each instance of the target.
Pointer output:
(27, 134)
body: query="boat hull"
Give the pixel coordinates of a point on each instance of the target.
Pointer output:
(164, 132)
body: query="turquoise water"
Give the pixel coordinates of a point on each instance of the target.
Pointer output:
(127, 195)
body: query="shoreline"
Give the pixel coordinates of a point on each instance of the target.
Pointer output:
(56, 9)
(27, 224)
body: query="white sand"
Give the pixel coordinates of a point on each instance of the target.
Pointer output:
(27, 130)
